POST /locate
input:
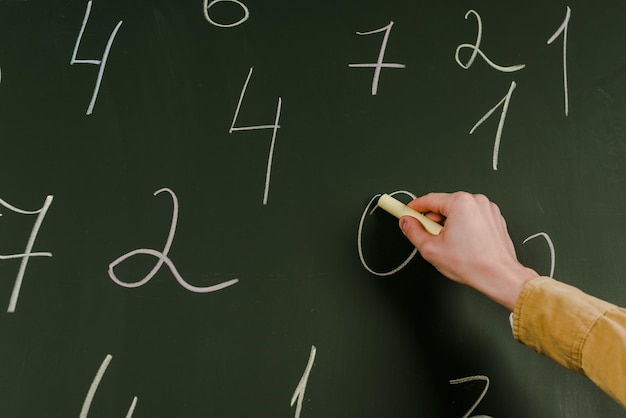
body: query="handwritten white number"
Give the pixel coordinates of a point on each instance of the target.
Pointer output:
(480, 398)
(162, 257)
(94, 387)
(207, 5)
(359, 237)
(274, 128)
(379, 64)
(41, 214)
(550, 246)
(298, 394)
(101, 62)
(563, 30)
(476, 50)
(505, 106)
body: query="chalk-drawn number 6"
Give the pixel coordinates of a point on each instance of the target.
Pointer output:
(208, 4)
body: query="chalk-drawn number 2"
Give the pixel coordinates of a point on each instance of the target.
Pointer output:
(480, 398)
(274, 127)
(163, 258)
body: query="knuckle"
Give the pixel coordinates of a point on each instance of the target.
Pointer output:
(462, 198)
(482, 199)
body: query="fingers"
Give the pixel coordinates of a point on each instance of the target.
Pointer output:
(437, 217)
(414, 231)
(432, 202)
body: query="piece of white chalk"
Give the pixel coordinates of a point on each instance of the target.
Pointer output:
(399, 209)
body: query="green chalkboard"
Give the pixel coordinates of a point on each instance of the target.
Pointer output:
(185, 228)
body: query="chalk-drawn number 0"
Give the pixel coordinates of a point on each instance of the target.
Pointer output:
(359, 238)
(208, 4)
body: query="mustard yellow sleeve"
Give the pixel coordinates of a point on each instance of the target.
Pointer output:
(578, 331)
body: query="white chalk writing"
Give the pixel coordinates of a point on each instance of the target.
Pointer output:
(274, 128)
(476, 50)
(162, 257)
(207, 5)
(550, 247)
(359, 237)
(505, 106)
(41, 214)
(563, 30)
(480, 398)
(84, 411)
(100, 62)
(379, 64)
(298, 394)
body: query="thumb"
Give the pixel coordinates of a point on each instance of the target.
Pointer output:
(414, 231)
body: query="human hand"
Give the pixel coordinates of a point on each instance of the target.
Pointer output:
(473, 248)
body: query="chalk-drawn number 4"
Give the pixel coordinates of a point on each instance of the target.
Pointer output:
(480, 398)
(274, 127)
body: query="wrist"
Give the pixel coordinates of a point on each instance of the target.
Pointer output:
(509, 286)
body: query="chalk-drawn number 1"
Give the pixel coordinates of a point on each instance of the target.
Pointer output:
(563, 30)
(274, 127)
(101, 62)
(505, 106)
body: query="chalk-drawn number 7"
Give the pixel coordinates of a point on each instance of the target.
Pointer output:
(274, 127)
(379, 64)
(28, 251)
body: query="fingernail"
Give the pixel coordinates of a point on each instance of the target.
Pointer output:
(403, 223)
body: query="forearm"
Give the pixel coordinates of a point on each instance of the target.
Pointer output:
(578, 331)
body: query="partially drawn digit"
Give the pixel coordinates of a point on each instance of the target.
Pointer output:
(298, 394)
(208, 4)
(162, 257)
(563, 30)
(359, 237)
(274, 128)
(480, 398)
(84, 411)
(476, 50)
(379, 64)
(25, 256)
(100, 62)
(505, 106)
(550, 247)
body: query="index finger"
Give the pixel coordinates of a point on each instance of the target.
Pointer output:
(433, 202)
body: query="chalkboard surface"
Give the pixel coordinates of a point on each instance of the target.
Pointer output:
(185, 225)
